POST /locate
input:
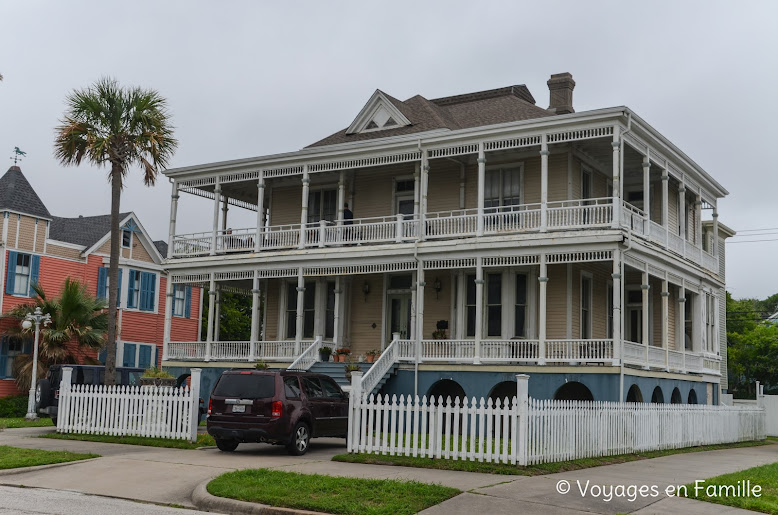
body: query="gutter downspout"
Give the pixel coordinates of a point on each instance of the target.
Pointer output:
(628, 247)
(415, 336)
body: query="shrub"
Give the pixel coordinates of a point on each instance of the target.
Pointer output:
(156, 372)
(14, 406)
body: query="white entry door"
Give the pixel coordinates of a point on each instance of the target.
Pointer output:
(399, 315)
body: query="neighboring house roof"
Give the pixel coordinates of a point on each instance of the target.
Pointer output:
(84, 230)
(161, 248)
(481, 108)
(772, 319)
(16, 194)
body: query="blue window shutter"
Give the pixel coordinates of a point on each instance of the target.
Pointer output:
(102, 280)
(102, 355)
(188, 303)
(10, 276)
(132, 285)
(3, 356)
(142, 286)
(144, 356)
(27, 348)
(147, 291)
(152, 291)
(35, 266)
(118, 290)
(129, 355)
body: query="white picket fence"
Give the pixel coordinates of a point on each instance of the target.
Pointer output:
(526, 431)
(151, 411)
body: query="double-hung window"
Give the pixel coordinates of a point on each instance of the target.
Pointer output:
(23, 270)
(494, 305)
(182, 301)
(322, 205)
(470, 305)
(139, 355)
(520, 314)
(503, 187)
(309, 309)
(126, 238)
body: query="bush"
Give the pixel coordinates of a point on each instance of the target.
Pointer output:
(157, 372)
(14, 406)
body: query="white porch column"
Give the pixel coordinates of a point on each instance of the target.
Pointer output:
(304, 209)
(616, 178)
(420, 284)
(260, 212)
(698, 221)
(543, 284)
(425, 172)
(414, 278)
(337, 315)
(168, 317)
(173, 213)
(544, 183)
(416, 189)
(666, 322)
(479, 307)
(616, 302)
(682, 219)
(298, 333)
(714, 249)
(218, 315)
(647, 194)
(481, 188)
(255, 303)
(665, 204)
(341, 196)
(211, 312)
(217, 193)
(645, 289)
(682, 322)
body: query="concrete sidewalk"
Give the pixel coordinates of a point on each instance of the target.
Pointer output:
(169, 476)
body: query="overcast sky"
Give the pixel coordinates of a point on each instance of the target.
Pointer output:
(246, 78)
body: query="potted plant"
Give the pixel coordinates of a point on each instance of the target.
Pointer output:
(261, 365)
(324, 353)
(157, 377)
(351, 367)
(371, 355)
(342, 353)
(441, 330)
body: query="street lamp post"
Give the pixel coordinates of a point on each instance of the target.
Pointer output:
(35, 318)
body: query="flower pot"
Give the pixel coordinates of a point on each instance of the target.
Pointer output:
(157, 381)
(370, 358)
(324, 356)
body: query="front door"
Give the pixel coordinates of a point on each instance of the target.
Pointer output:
(400, 315)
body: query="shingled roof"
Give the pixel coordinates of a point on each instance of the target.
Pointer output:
(17, 195)
(84, 230)
(481, 108)
(161, 248)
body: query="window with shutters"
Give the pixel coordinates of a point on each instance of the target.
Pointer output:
(141, 290)
(103, 282)
(503, 187)
(133, 289)
(139, 355)
(182, 301)
(322, 205)
(22, 274)
(520, 311)
(9, 349)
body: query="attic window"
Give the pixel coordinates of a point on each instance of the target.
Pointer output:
(380, 113)
(126, 238)
(371, 125)
(390, 122)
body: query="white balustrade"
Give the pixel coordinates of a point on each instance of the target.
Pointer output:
(309, 356)
(236, 240)
(658, 233)
(281, 236)
(383, 364)
(633, 218)
(230, 351)
(580, 213)
(190, 245)
(584, 350)
(710, 262)
(656, 356)
(676, 360)
(186, 351)
(633, 353)
(693, 362)
(452, 224)
(509, 350)
(675, 243)
(277, 350)
(693, 252)
(505, 219)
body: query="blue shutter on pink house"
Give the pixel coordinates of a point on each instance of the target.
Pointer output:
(35, 266)
(102, 282)
(118, 290)
(144, 356)
(129, 355)
(10, 276)
(3, 356)
(188, 303)
(148, 286)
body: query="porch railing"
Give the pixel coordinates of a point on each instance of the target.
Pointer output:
(509, 350)
(580, 213)
(579, 350)
(308, 357)
(383, 364)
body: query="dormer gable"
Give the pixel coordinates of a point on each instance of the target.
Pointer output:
(379, 113)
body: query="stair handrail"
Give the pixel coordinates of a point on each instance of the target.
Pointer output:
(382, 365)
(308, 357)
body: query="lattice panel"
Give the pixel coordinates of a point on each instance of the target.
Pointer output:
(211, 195)
(511, 260)
(365, 162)
(598, 132)
(283, 171)
(239, 177)
(195, 183)
(441, 264)
(459, 150)
(235, 289)
(190, 278)
(580, 257)
(234, 276)
(503, 144)
(359, 269)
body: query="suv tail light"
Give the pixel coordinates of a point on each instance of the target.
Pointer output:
(210, 406)
(277, 410)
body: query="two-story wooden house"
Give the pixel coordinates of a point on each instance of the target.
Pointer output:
(471, 238)
(40, 248)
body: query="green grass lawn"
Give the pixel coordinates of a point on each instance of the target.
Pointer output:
(341, 495)
(766, 477)
(14, 457)
(203, 440)
(530, 470)
(13, 423)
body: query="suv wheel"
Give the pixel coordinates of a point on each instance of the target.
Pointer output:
(226, 445)
(301, 437)
(42, 393)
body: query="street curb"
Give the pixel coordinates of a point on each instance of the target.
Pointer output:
(205, 501)
(24, 470)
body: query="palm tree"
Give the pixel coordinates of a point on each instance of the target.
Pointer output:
(76, 318)
(109, 125)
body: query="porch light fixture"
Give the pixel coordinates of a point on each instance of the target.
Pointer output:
(437, 287)
(366, 289)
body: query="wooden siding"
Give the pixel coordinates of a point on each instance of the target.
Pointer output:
(556, 302)
(64, 252)
(444, 180)
(139, 252)
(26, 233)
(182, 329)
(365, 313)
(285, 205)
(436, 308)
(12, 225)
(271, 307)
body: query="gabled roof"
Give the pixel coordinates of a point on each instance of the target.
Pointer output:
(84, 230)
(161, 248)
(481, 108)
(16, 194)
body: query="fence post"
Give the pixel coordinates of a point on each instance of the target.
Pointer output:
(64, 395)
(354, 400)
(759, 395)
(522, 404)
(194, 408)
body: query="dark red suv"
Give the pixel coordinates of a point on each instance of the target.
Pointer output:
(279, 407)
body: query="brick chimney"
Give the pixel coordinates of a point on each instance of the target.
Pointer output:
(560, 88)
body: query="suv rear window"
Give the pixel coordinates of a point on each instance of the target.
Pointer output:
(246, 386)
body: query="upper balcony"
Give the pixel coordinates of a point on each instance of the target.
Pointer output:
(590, 177)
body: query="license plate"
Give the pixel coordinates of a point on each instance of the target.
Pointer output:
(239, 408)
